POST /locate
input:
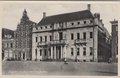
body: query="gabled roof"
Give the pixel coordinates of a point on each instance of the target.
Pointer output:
(6, 31)
(66, 17)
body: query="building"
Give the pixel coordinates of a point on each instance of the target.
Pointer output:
(114, 39)
(8, 44)
(23, 38)
(76, 36)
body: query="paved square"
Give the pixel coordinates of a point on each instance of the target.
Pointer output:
(58, 68)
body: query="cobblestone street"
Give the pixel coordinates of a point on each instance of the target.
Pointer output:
(58, 68)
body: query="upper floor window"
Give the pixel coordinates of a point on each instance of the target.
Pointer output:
(78, 35)
(84, 35)
(45, 38)
(84, 51)
(46, 27)
(36, 39)
(72, 53)
(72, 23)
(40, 38)
(72, 36)
(50, 38)
(91, 34)
(78, 52)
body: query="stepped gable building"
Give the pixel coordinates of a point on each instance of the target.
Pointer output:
(77, 36)
(23, 38)
(114, 40)
(8, 44)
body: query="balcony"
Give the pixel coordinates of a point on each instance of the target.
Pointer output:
(80, 42)
(42, 44)
(58, 42)
(53, 42)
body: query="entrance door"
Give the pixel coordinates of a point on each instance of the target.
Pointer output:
(23, 56)
(58, 52)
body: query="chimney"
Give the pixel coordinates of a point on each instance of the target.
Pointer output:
(89, 7)
(44, 14)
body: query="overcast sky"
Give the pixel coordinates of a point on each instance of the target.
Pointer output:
(11, 12)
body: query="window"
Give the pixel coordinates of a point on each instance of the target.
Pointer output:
(84, 51)
(72, 51)
(11, 45)
(84, 35)
(36, 52)
(78, 23)
(40, 38)
(45, 52)
(72, 36)
(50, 38)
(45, 38)
(84, 22)
(50, 26)
(91, 51)
(91, 21)
(91, 34)
(40, 52)
(36, 39)
(78, 53)
(46, 27)
(72, 23)
(78, 35)
(36, 28)
(60, 36)
(41, 27)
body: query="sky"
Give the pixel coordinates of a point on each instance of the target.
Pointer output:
(11, 12)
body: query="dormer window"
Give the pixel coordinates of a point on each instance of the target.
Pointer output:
(41, 27)
(50, 26)
(91, 21)
(36, 28)
(72, 23)
(84, 22)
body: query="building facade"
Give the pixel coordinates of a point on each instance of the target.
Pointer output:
(114, 40)
(8, 44)
(73, 36)
(23, 38)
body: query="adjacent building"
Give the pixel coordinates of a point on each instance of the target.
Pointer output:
(77, 36)
(8, 44)
(114, 39)
(23, 38)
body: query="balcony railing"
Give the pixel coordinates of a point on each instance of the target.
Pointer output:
(80, 41)
(53, 42)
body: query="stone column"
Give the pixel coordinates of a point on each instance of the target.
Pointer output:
(61, 52)
(54, 52)
(51, 52)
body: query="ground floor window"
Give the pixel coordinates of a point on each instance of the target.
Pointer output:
(84, 51)
(72, 52)
(78, 53)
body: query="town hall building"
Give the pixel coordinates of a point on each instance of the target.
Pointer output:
(77, 36)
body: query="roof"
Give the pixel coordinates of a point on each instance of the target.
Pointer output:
(66, 17)
(6, 31)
